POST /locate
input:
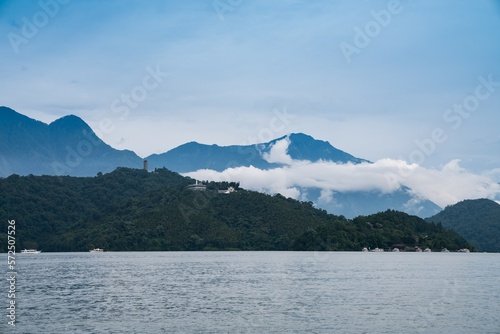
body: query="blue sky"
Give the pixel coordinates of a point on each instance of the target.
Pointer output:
(225, 71)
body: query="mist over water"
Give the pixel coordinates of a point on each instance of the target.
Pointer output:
(257, 292)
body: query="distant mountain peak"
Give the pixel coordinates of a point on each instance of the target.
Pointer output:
(71, 121)
(305, 147)
(302, 136)
(67, 146)
(4, 109)
(193, 156)
(10, 115)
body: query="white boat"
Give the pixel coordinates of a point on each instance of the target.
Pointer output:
(395, 249)
(30, 251)
(96, 250)
(464, 250)
(377, 250)
(427, 250)
(364, 249)
(444, 250)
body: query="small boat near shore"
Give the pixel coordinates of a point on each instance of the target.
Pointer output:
(96, 250)
(30, 251)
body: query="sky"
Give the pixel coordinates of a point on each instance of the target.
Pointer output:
(412, 81)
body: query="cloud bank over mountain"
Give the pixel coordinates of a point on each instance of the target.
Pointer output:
(445, 186)
(296, 165)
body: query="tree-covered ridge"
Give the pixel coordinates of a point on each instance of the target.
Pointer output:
(132, 210)
(392, 227)
(478, 221)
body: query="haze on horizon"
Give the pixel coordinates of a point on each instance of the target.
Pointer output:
(414, 81)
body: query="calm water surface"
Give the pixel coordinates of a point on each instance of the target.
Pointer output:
(256, 292)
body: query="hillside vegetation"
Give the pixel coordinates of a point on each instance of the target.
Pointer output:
(136, 210)
(478, 221)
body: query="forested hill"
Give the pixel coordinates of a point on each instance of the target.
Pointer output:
(132, 210)
(477, 220)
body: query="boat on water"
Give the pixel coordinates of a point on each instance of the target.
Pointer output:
(395, 249)
(30, 251)
(364, 249)
(427, 250)
(444, 250)
(464, 250)
(377, 250)
(96, 250)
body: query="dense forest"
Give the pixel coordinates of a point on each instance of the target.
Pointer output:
(477, 220)
(136, 210)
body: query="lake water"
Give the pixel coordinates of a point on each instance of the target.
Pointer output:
(255, 292)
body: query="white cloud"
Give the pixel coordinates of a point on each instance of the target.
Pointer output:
(444, 186)
(278, 152)
(326, 196)
(452, 184)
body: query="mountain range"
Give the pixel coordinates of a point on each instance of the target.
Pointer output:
(194, 156)
(68, 146)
